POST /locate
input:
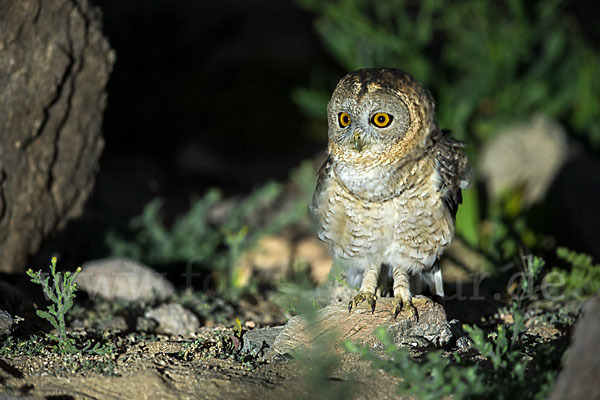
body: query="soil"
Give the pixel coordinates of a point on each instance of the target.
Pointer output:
(207, 365)
(157, 369)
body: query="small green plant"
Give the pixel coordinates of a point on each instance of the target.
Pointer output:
(102, 366)
(436, 376)
(227, 346)
(581, 281)
(505, 370)
(32, 346)
(527, 291)
(60, 289)
(215, 244)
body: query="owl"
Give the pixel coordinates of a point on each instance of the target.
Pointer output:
(387, 195)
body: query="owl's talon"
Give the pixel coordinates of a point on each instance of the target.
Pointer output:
(414, 314)
(370, 298)
(399, 306)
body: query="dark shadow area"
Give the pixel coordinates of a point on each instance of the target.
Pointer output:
(9, 369)
(573, 205)
(200, 97)
(469, 303)
(202, 90)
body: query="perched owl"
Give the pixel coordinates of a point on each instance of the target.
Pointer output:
(387, 195)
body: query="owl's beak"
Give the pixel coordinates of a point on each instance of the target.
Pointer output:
(358, 144)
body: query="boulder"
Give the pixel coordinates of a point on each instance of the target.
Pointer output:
(54, 66)
(579, 377)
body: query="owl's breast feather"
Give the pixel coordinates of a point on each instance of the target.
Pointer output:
(396, 214)
(369, 183)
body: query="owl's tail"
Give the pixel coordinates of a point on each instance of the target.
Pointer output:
(431, 280)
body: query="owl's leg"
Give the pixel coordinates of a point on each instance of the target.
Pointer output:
(367, 288)
(402, 295)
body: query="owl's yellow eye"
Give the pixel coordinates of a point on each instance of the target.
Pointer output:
(344, 119)
(381, 120)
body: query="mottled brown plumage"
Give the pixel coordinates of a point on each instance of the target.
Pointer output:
(388, 192)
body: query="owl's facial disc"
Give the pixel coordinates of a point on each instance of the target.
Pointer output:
(358, 143)
(353, 135)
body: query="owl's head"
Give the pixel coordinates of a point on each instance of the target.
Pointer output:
(379, 115)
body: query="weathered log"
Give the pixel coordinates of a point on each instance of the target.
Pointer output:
(336, 324)
(54, 66)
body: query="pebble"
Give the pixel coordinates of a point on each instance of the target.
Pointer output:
(174, 319)
(120, 278)
(6, 323)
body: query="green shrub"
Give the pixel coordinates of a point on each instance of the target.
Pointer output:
(505, 371)
(216, 245)
(60, 289)
(487, 62)
(580, 281)
(32, 346)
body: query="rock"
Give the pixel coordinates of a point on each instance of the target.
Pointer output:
(272, 256)
(174, 319)
(6, 323)
(526, 156)
(314, 253)
(338, 325)
(120, 278)
(579, 376)
(114, 324)
(542, 167)
(464, 342)
(260, 341)
(537, 162)
(53, 71)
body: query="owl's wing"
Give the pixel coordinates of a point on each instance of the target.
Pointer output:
(453, 167)
(324, 174)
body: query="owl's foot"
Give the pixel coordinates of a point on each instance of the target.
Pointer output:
(360, 297)
(399, 304)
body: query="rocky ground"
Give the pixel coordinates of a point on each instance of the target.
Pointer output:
(139, 337)
(157, 370)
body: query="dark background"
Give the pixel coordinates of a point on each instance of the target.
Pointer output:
(201, 90)
(200, 97)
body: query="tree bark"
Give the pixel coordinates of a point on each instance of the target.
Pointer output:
(54, 66)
